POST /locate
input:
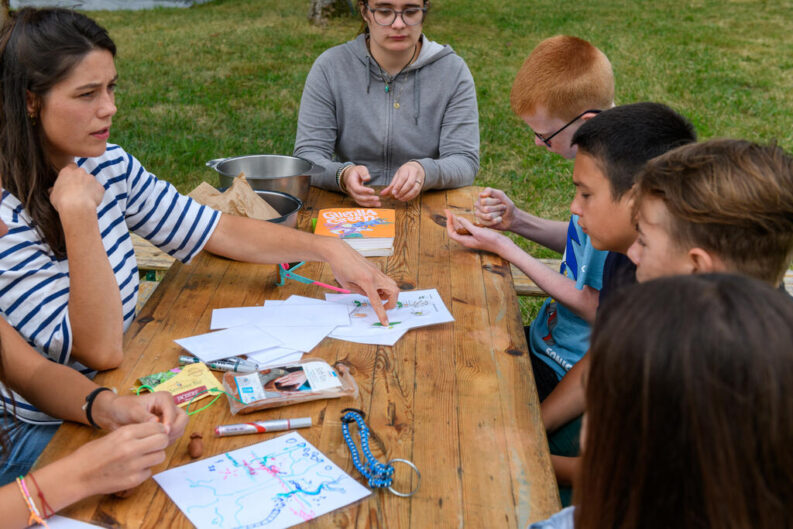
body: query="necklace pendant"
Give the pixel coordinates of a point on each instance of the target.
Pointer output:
(386, 88)
(396, 104)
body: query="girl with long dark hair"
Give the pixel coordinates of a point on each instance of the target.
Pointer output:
(689, 419)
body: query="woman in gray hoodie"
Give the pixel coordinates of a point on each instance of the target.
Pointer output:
(389, 108)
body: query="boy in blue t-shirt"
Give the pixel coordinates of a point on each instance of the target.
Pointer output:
(564, 82)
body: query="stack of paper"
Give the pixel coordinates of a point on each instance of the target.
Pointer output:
(277, 333)
(281, 331)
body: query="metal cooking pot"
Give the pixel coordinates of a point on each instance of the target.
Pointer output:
(267, 172)
(285, 204)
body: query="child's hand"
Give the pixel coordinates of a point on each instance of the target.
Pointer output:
(470, 236)
(494, 209)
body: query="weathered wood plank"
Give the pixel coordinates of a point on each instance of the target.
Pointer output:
(484, 452)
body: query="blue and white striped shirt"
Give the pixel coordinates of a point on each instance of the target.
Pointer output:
(34, 285)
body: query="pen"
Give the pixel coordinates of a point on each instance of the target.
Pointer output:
(237, 365)
(277, 425)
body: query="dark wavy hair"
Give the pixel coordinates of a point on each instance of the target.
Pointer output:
(688, 408)
(38, 49)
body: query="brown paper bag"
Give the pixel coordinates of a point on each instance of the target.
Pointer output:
(240, 199)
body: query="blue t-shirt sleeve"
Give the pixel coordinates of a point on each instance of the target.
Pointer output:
(589, 261)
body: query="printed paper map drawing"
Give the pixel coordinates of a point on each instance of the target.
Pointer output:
(414, 309)
(273, 484)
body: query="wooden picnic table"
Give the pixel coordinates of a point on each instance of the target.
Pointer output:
(457, 399)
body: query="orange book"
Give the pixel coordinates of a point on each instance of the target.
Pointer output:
(370, 231)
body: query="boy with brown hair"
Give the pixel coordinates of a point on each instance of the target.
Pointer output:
(564, 82)
(719, 206)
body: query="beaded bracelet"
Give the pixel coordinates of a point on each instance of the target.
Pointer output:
(378, 475)
(35, 516)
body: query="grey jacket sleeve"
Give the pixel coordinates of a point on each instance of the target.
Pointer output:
(317, 130)
(459, 139)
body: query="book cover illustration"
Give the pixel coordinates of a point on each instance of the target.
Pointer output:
(356, 223)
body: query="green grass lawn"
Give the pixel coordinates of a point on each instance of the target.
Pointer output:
(225, 78)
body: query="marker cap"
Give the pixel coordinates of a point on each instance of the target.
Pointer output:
(300, 422)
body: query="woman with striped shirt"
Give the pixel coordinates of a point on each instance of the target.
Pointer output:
(68, 276)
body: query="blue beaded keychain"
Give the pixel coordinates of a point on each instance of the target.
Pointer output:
(378, 475)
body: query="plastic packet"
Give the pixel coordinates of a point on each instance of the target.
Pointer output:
(287, 384)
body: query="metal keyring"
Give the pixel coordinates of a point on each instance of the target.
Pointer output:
(418, 475)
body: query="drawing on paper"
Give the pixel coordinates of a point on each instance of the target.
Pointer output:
(273, 484)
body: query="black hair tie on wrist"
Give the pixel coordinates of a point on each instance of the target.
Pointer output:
(89, 404)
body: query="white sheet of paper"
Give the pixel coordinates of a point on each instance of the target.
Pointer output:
(230, 342)
(59, 522)
(384, 337)
(417, 308)
(274, 484)
(275, 356)
(300, 338)
(283, 315)
(307, 338)
(294, 299)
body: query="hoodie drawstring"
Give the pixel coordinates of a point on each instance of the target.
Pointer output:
(416, 97)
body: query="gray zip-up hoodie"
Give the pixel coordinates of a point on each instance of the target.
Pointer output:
(428, 114)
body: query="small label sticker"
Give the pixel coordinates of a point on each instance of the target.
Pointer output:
(249, 387)
(321, 376)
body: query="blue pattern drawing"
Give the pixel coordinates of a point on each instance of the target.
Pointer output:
(273, 484)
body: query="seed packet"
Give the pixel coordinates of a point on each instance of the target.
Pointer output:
(287, 384)
(187, 383)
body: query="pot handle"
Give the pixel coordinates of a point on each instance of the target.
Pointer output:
(214, 163)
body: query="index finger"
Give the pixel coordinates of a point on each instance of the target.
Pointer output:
(377, 305)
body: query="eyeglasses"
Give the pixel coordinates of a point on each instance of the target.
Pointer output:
(385, 16)
(547, 141)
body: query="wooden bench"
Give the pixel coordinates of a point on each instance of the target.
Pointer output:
(526, 287)
(150, 259)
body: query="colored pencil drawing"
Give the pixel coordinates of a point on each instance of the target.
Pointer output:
(274, 484)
